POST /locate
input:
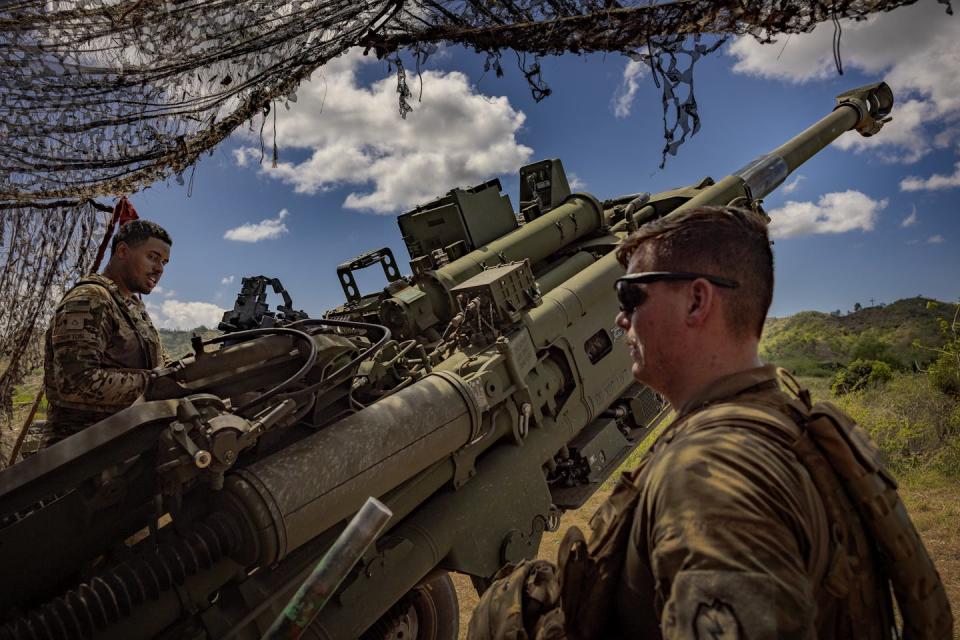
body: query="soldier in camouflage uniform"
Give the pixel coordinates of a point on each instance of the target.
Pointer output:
(101, 344)
(721, 531)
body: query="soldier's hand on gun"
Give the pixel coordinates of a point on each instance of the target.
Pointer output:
(162, 387)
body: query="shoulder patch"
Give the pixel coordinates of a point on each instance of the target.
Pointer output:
(76, 305)
(71, 326)
(715, 621)
(721, 604)
(72, 321)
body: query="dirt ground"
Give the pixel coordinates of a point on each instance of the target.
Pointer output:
(934, 505)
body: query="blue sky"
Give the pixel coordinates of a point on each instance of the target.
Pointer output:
(866, 219)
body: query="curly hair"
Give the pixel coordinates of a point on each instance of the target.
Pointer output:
(721, 241)
(136, 232)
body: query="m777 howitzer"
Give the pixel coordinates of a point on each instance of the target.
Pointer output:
(477, 398)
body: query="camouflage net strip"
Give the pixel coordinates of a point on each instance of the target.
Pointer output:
(100, 98)
(104, 97)
(43, 253)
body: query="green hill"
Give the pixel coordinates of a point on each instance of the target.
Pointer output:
(809, 343)
(177, 343)
(815, 343)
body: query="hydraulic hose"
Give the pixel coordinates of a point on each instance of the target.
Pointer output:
(253, 333)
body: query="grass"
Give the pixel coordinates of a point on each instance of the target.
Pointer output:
(915, 425)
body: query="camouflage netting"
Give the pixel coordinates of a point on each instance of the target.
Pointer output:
(101, 98)
(43, 252)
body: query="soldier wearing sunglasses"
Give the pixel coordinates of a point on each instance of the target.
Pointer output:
(720, 532)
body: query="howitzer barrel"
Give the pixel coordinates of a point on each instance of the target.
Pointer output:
(304, 489)
(864, 109)
(579, 216)
(564, 271)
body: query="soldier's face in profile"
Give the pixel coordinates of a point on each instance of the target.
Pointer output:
(652, 327)
(144, 264)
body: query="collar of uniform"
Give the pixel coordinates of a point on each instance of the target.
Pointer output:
(730, 386)
(104, 280)
(131, 300)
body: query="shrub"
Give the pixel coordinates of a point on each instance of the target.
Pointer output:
(914, 424)
(945, 373)
(860, 374)
(869, 347)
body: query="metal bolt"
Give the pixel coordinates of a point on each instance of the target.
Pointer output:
(202, 459)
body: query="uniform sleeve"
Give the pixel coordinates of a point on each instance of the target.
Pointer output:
(723, 520)
(80, 334)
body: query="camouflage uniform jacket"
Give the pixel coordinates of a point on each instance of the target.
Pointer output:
(99, 349)
(719, 532)
(730, 535)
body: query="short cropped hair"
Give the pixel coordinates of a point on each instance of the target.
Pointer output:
(136, 232)
(721, 241)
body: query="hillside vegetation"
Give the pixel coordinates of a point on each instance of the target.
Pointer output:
(177, 343)
(812, 343)
(892, 368)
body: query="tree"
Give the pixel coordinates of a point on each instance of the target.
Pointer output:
(860, 374)
(945, 371)
(857, 306)
(869, 347)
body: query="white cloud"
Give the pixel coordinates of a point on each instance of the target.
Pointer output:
(356, 137)
(241, 155)
(166, 293)
(255, 232)
(174, 314)
(916, 49)
(227, 280)
(911, 219)
(933, 183)
(575, 183)
(629, 85)
(937, 239)
(832, 213)
(791, 186)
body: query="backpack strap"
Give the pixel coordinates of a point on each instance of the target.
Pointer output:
(866, 515)
(847, 542)
(857, 462)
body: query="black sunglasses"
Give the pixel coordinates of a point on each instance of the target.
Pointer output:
(631, 297)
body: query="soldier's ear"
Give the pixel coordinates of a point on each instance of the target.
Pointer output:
(700, 302)
(121, 250)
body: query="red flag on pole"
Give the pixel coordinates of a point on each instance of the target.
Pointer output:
(123, 213)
